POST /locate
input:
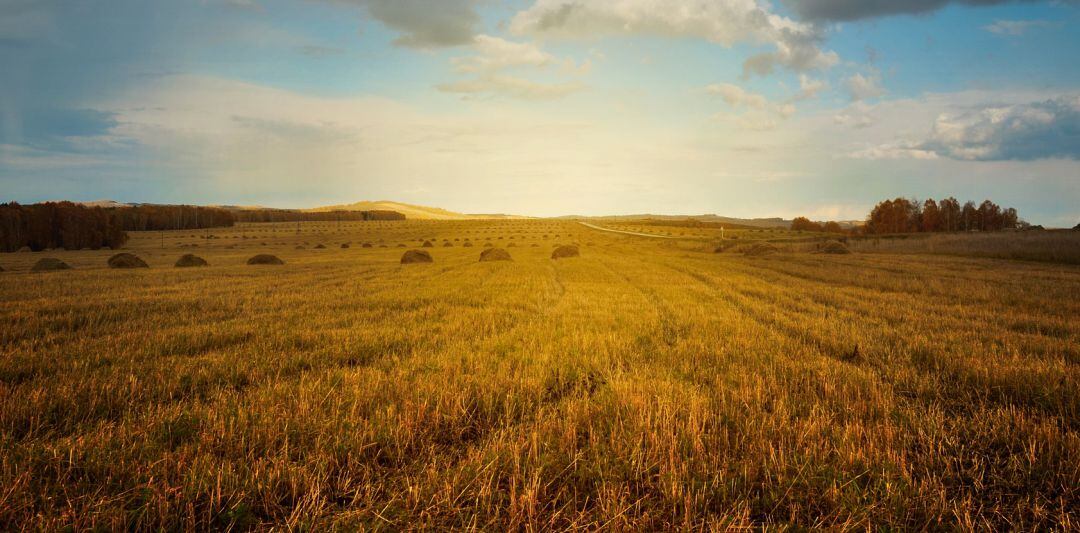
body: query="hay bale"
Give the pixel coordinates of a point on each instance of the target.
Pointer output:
(126, 260)
(563, 252)
(320, 246)
(366, 245)
(467, 244)
(511, 245)
(759, 249)
(834, 247)
(448, 244)
(488, 245)
(49, 264)
(190, 260)
(265, 259)
(344, 245)
(427, 244)
(416, 256)
(495, 254)
(299, 247)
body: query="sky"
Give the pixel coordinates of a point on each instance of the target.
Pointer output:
(746, 108)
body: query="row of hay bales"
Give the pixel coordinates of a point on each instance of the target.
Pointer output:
(489, 254)
(121, 261)
(759, 249)
(126, 260)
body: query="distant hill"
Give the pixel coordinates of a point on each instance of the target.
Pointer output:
(104, 203)
(410, 211)
(747, 222)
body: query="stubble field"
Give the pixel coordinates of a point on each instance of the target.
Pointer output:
(644, 385)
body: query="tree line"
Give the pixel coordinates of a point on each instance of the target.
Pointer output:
(152, 217)
(59, 225)
(290, 215)
(910, 216)
(903, 215)
(805, 224)
(75, 226)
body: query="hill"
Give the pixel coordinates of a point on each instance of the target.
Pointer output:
(747, 222)
(414, 212)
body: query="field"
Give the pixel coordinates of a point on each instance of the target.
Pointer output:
(648, 384)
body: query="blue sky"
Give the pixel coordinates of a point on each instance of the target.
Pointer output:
(544, 107)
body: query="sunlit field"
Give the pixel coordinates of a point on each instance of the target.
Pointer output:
(647, 384)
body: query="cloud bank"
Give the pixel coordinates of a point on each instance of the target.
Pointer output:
(848, 10)
(724, 22)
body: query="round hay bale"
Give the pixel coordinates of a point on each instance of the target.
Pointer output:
(448, 244)
(265, 259)
(759, 249)
(402, 245)
(467, 244)
(427, 244)
(191, 260)
(126, 260)
(416, 256)
(299, 247)
(488, 245)
(495, 254)
(366, 245)
(835, 247)
(320, 246)
(344, 245)
(563, 252)
(48, 264)
(511, 245)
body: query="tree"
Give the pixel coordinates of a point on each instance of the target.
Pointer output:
(805, 224)
(949, 214)
(931, 216)
(969, 216)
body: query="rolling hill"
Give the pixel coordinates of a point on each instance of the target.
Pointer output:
(410, 211)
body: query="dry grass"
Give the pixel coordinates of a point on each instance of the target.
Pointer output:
(640, 386)
(1058, 246)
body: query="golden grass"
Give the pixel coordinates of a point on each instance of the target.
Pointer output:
(639, 386)
(1056, 246)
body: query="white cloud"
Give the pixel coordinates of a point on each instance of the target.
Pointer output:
(899, 150)
(1036, 130)
(1016, 28)
(857, 115)
(865, 87)
(494, 53)
(809, 87)
(736, 96)
(761, 113)
(974, 126)
(495, 56)
(512, 86)
(725, 22)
